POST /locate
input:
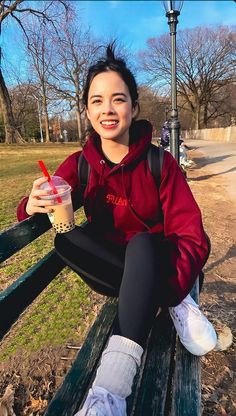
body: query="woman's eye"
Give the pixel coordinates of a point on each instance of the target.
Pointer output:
(96, 101)
(120, 99)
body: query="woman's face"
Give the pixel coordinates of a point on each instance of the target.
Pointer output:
(110, 108)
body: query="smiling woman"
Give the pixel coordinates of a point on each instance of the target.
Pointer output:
(110, 98)
(144, 243)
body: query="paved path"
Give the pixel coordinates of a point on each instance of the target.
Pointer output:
(219, 159)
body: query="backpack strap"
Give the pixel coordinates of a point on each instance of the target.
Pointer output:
(83, 171)
(155, 157)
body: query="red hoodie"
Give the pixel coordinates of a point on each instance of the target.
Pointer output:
(124, 200)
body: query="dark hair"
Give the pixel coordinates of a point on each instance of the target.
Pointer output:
(111, 63)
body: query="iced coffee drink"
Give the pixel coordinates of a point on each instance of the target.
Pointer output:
(62, 215)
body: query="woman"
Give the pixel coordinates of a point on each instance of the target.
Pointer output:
(144, 245)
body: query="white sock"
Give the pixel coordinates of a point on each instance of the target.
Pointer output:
(118, 366)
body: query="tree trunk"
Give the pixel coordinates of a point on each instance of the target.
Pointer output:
(197, 118)
(78, 113)
(205, 114)
(46, 120)
(79, 124)
(86, 124)
(12, 135)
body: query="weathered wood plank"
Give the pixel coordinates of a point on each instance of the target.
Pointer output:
(24, 290)
(154, 388)
(186, 397)
(132, 399)
(23, 233)
(70, 396)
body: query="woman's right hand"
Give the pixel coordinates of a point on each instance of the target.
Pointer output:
(35, 204)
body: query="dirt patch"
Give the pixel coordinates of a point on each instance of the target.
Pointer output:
(218, 294)
(36, 378)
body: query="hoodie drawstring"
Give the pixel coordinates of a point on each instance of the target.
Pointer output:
(128, 201)
(103, 163)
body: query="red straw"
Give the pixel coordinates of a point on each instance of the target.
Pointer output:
(46, 173)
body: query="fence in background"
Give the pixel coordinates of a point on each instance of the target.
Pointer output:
(220, 134)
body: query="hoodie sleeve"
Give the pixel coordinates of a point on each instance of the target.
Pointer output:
(183, 229)
(20, 211)
(68, 170)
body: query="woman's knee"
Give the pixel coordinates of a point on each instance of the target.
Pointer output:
(140, 240)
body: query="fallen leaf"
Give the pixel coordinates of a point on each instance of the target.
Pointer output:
(225, 339)
(7, 401)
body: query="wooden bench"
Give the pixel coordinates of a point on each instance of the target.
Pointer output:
(168, 382)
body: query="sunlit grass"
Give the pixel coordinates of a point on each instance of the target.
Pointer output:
(65, 309)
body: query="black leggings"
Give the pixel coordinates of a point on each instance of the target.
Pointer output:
(133, 274)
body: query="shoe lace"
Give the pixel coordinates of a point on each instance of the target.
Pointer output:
(181, 312)
(103, 397)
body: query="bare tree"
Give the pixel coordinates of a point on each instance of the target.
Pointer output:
(153, 108)
(25, 109)
(205, 65)
(15, 9)
(40, 52)
(74, 50)
(223, 107)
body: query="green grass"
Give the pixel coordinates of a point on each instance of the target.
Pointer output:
(65, 309)
(18, 170)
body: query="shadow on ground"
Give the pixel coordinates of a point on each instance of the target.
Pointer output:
(204, 177)
(205, 161)
(228, 255)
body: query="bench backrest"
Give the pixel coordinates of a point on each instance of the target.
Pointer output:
(28, 286)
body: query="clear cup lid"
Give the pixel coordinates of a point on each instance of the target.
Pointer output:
(60, 184)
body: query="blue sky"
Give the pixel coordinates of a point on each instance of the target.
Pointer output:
(131, 22)
(135, 21)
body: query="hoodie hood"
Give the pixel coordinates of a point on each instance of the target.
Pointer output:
(140, 138)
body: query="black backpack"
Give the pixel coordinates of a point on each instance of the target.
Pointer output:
(155, 156)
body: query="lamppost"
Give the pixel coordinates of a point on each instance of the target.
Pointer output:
(172, 12)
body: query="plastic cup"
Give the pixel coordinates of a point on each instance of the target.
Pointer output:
(62, 217)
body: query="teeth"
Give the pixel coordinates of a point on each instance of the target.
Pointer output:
(109, 123)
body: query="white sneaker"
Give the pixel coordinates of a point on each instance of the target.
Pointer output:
(195, 332)
(100, 402)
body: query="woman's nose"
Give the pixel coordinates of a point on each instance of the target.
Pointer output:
(107, 108)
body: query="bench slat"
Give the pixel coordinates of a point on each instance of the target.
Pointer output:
(186, 398)
(24, 290)
(71, 394)
(154, 388)
(23, 233)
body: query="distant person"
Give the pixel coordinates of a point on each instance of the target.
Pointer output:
(143, 244)
(165, 142)
(165, 135)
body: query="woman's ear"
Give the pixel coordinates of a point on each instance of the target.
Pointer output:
(135, 110)
(87, 113)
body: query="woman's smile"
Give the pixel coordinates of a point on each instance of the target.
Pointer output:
(109, 124)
